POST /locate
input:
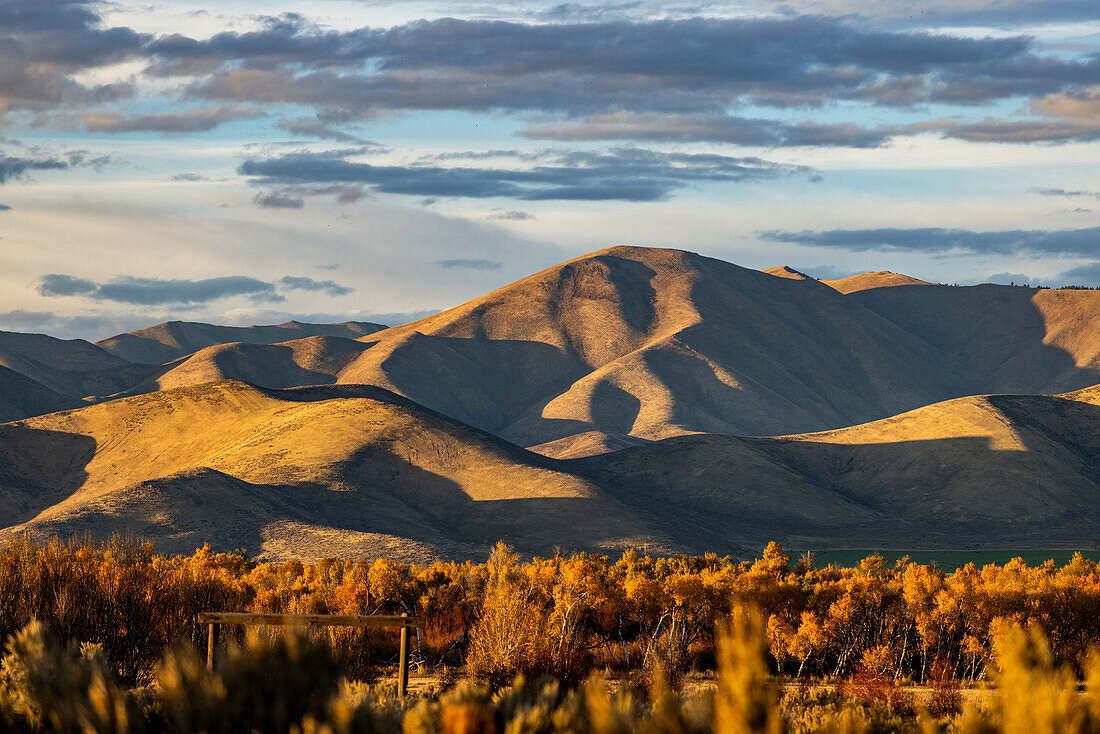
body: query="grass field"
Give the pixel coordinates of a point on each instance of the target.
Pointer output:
(945, 559)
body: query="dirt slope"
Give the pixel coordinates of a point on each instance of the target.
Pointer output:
(174, 339)
(21, 397)
(335, 470)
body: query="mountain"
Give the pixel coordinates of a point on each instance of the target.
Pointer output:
(997, 470)
(71, 368)
(360, 471)
(311, 472)
(174, 339)
(632, 344)
(998, 338)
(314, 360)
(21, 397)
(869, 281)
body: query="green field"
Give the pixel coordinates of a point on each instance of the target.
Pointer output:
(948, 560)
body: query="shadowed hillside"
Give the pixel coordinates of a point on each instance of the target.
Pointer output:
(1014, 470)
(71, 368)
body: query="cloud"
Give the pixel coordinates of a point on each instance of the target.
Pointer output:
(189, 177)
(625, 174)
(316, 129)
(675, 65)
(469, 264)
(45, 43)
(1044, 191)
(1084, 242)
(157, 291)
(512, 216)
(5, 208)
(194, 119)
(329, 287)
(12, 167)
(277, 200)
(57, 284)
(714, 129)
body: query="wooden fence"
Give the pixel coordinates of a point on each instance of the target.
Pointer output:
(404, 621)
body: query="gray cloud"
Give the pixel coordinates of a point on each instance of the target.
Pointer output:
(1045, 191)
(157, 291)
(189, 177)
(276, 200)
(715, 129)
(1081, 242)
(313, 128)
(43, 43)
(688, 65)
(58, 284)
(12, 167)
(329, 287)
(512, 215)
(5, 208)
(625, 174)
(194, 119)
(469, 264)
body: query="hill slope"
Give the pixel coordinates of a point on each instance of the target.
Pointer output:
(359, 471)
(73, 368)
(646, 343)
(869, 281)
(1000, 470)
(174, 339)
(304, 473)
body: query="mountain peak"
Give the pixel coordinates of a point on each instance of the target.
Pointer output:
(873, 279)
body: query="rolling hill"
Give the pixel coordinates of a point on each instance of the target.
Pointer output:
(360, 471)
(174, 339)
(311, 472)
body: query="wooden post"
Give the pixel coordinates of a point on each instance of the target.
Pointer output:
(211, 638)
(403, 666)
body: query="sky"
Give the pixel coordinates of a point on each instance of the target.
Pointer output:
(242, 162)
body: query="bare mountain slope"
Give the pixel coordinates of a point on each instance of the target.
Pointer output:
(645, 343)
(315, 360)
(1000, 470)
(1001, 339)
(72, 368)
(869, 281)
(21, 397)
(359, 471)
(309, 472)
(174, 339)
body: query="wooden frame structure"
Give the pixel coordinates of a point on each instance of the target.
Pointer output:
(403, 621)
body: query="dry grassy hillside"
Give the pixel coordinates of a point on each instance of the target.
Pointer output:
(359, 471)
(642, 343)
(336, 470)
(1001, 339)
(315, 360)
(869, 281)
(174, 339)
(1000, 470)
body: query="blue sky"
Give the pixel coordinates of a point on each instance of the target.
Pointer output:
(243, 162)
